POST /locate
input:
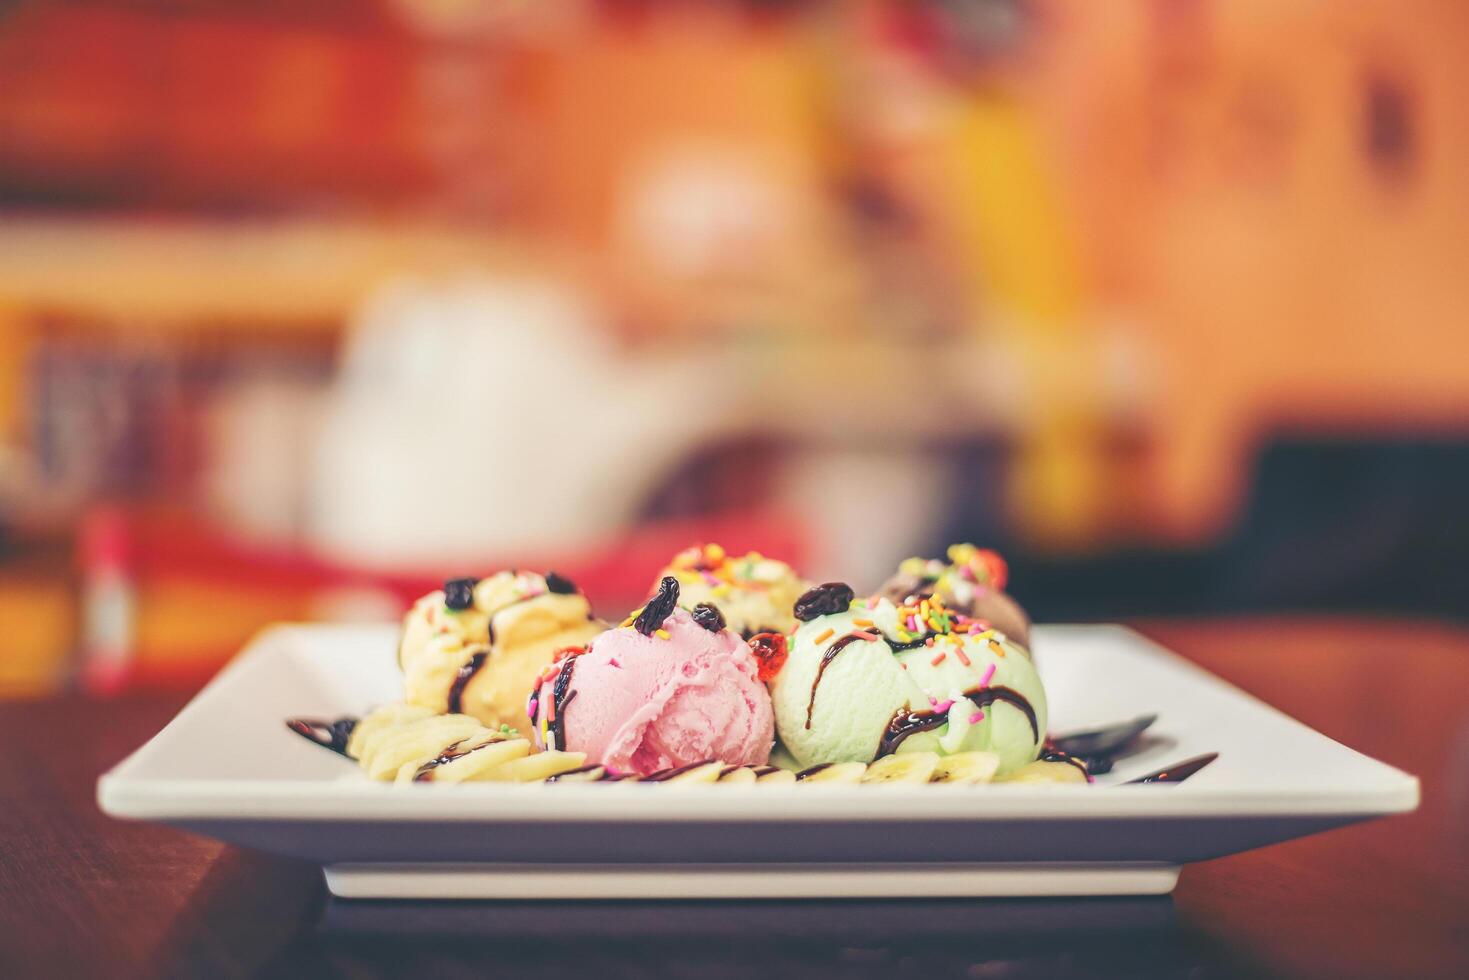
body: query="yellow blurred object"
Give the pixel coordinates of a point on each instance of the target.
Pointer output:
(12, 368)
(1275, 193)
(187, 628)
(687, 157)
(1022, 268)
(39, 619)
(188, 274)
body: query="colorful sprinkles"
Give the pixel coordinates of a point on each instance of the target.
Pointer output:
(929, 616)
(709, 564)
(980, 568)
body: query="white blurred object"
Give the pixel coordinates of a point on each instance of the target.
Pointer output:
(865, 509)
(356, 604)
(262, 434)
(482, 419)
(709, 210)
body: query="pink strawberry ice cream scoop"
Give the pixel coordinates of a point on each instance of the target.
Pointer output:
(684, 691)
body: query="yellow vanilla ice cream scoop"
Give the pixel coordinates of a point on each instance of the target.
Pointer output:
(754, 593)
(476, 647)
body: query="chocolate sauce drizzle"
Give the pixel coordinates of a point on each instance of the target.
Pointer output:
(1050, 753)
(807, 773)
(590, 767)
(1175, 773)
(461, 680)
(490, 628)
(826, 658)
(331, 735)
(907, 722)
(425, 772)
(561, 697)
(663, 775)
(467, 672)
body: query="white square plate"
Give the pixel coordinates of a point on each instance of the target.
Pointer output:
(227, 767)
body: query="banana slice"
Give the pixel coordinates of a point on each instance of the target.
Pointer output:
(902, 767)
(534, 768)
(388, 716)
(833, 772)
(737, 775)
(1040, 772)
(409, 770)
(768, 775)
(966, 767)
(705, 772)
(487, 754)
(423, 741)
(402, 742)
(582, 774)
(390, 730)
(493, 754)
(392, 727)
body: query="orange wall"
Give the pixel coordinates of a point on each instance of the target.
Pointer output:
(1275, 268)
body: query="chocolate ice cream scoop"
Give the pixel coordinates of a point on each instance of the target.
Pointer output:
(971, 581)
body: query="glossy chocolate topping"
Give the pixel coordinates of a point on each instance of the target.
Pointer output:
(1052, 754)
(462, 677)
(663, 775)
(907, 722)
(328, 734)
(589, 768)
(1177, 772)
(561, 698)
(826, 658)
(425, 772)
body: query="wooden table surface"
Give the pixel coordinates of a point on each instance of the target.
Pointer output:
(85, 896)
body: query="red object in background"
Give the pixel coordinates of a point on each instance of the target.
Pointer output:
(169, 598)
(107, 601)
(224, 105)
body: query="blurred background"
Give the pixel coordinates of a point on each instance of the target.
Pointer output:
(308, 305)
